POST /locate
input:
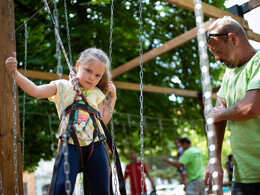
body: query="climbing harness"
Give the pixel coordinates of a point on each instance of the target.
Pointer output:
(103, 139)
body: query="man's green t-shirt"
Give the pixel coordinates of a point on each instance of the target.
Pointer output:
(192, 159)
(245, 135)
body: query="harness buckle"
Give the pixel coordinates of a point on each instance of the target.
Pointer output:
(98, 116)
(102, 138)
(74, 106)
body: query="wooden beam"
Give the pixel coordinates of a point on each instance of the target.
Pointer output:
(158, 89)
(33, 74)
(214, 12)
(7, 160)
(208, 10)
(119, 85)
(252, 4)
(177, 41)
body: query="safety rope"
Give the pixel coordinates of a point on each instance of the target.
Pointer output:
(61, 105)
(141, 94)
(206, 89)
(24, 94)
(11, 36)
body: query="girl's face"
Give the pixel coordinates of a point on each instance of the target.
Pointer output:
(90, 73)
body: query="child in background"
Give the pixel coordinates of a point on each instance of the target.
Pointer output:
(93, 72)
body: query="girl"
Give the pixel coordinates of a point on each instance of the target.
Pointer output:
(93, 72)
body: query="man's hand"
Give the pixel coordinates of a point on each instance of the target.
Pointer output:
(217, 168)
(215, 113)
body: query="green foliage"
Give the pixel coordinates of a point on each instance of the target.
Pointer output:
(89, 24)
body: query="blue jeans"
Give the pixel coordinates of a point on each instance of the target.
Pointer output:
(97, 170)
(245, 188)
(196, 187)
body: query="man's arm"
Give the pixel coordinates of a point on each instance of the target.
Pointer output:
(173, 163)
(243, 110)
(219, 129)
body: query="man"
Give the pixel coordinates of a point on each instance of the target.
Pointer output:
(192, 159)
(181, 170)
(238, 105)
(133, 170)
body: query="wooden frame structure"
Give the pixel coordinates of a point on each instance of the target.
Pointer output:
(6, 137)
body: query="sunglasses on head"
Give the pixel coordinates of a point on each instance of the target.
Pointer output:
(215, 35)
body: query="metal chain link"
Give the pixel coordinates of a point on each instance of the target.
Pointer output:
(113, 147)
(24, 94)
(206, 88)
(2, 192)
(51, 132)
(68, 30)
(81, 183)
(110, 99)
(60, 72)
(141, 94)
(11, 36)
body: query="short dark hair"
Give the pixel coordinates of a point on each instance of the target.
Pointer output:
(230, 156)
(185, 140)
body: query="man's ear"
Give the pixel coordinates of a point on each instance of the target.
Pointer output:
(232, 38)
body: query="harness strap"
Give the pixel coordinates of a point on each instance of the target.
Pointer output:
(85, 107)
(56, 170)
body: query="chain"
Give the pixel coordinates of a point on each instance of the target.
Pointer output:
(111, 30)
(111, 111)
(141, 94)
(206, 88)
(11, 36)
(81, 183)
(1, 185)
(68, 30)
(60, 72)
(51, 132)
(113, 146)
(25, 68)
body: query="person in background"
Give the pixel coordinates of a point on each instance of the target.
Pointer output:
(179, 154)
(133, 170)
(229, 167)
(192, 159)
(237, 105)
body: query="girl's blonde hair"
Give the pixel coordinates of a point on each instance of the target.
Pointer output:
(98, 54)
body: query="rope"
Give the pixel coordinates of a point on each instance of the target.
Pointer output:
(31, 17)
(73, 78)
(141, 95)
(207, 91)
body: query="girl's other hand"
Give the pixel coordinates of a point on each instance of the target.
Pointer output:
(111, 89)
(11, 64)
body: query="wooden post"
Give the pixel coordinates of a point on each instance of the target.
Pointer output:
(6, 111)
